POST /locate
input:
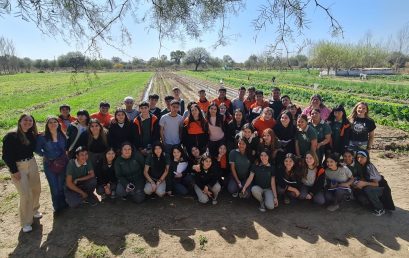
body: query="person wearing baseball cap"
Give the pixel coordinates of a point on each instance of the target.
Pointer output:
(103, 116)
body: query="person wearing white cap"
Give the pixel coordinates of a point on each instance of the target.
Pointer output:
(130, 111)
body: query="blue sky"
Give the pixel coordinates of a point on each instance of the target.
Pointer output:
(382, 18)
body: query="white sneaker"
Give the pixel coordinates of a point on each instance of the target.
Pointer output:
(27, 228)
(38, 215)
(214, 201)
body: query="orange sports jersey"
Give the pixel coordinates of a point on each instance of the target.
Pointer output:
(103, 119)
(260, 124)
(203, 105)
(248, 103)
(226, 101)
(194, 127)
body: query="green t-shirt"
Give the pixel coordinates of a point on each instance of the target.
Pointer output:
(146, 132)
(322, 129)
(241, 163)
(78, 171)
(262, 175)
(304, 139)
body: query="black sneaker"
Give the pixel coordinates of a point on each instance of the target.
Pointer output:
(379, 213)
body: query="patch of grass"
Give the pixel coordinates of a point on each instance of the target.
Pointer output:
(8, 203)
(4, 177)
(138, 250)
(94, 251)
(2, 163)
(203, 241)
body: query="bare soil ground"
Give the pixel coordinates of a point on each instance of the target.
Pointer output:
(176, 226)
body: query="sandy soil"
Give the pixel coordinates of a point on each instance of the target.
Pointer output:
(176, 226)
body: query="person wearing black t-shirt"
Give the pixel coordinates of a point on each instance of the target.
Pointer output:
(285, 131)
(362, 127)
(18, 148)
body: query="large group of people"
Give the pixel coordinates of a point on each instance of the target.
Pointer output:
(249, 146)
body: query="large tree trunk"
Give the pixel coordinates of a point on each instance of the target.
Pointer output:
(196, 66)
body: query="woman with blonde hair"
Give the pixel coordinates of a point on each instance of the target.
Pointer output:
(362, 127)
(18, 148)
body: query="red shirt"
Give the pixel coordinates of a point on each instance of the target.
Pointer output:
(226, 101)
(103, 119)
(248, 103)
(203, 105)
(260, 124)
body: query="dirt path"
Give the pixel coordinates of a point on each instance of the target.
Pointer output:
(180, 227)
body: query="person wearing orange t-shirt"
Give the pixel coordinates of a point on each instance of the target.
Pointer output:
(257, 108)
(203, 103)
(223, 99)
(103, 116)
(195, 129)
(251, 98)
(264, 121)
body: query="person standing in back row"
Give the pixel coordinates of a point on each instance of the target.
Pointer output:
(362, 127)
(223, 99)
(275, 103)
(130, 111)
(103, 116)
(176, 95)
(238, 103)
(65, 119)
(171, 127)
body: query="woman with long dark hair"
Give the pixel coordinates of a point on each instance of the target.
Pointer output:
(289, 178)
(313, 179)
(340, 129)
(264, 186)
(18, 154)
(120, 130)
(306, 137)
(338, 182)
(234, 127)
(285, 132)
(239, 167)
(129, 172)
(207, 180)
(96, 141)
(195, 129)
(179, 180)
(105, 173)
(156, 170)
(51, 146)
(217, 127)
(370, 188)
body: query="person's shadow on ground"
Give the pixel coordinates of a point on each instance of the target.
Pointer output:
(109, 224)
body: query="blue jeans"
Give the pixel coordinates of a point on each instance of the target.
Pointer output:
(56, 183)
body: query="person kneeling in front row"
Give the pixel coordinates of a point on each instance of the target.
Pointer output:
(80, 180)
(206, 180)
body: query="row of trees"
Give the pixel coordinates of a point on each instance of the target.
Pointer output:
(325, 54)
(330, 55)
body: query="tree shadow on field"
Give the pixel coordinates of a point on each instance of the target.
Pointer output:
(109, 223)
